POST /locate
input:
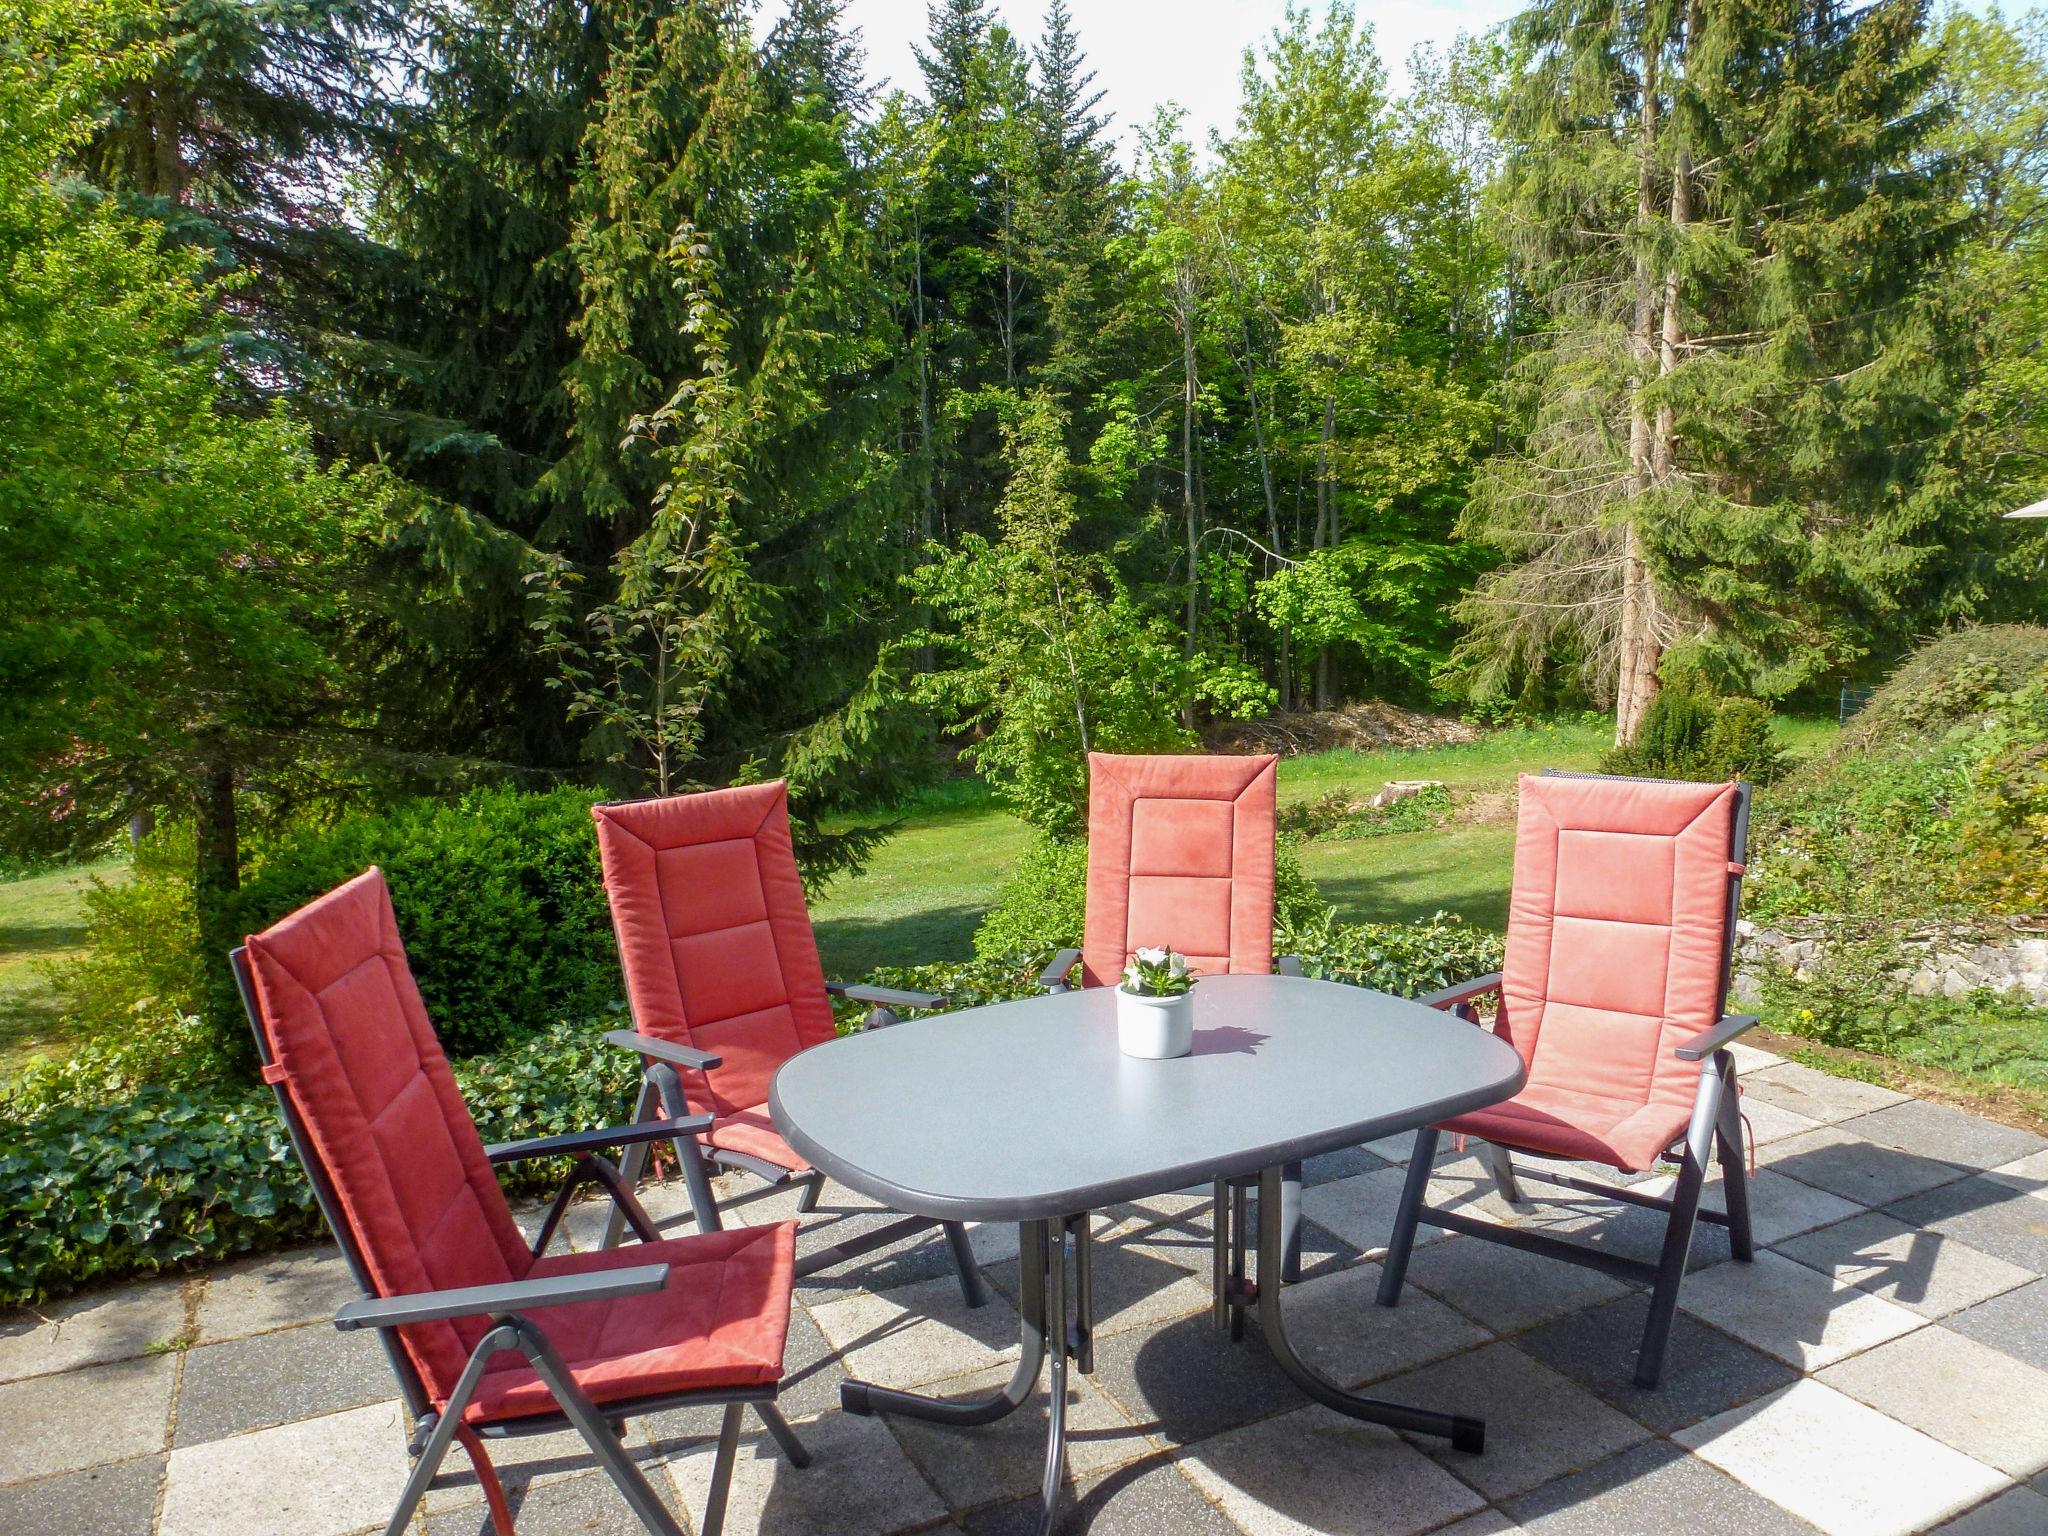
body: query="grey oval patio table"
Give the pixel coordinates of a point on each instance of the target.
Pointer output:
(1027, 1112)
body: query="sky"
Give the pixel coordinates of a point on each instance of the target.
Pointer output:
(1145, 52)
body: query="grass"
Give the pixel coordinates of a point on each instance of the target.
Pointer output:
(922, 895)
(42, 919)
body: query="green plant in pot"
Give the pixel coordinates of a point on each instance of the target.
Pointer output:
(1155, 1006)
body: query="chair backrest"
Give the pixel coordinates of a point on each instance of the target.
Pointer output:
(374, 1110)
(1180, 853)
(1620, 926)
(714, 934)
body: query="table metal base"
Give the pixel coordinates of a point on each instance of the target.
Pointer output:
(1047, 1333)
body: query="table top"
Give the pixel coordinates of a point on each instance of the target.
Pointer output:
(1027, 1110)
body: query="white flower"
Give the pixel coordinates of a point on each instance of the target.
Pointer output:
(1179, 966)
(1151, 956)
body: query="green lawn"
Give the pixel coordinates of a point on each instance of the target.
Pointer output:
(922, 895)
(42, 918)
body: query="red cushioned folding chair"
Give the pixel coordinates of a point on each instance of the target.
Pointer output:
(488, 1337)
(1180, 856)
(723, 976)
(1621, 927)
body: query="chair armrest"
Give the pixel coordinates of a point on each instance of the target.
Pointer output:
(884, 997)
(514, 1296)
(1461, 992)
(1054, 977)
(663, 1050)
(575, 1142)
(1288, 965)
(1708, 1041)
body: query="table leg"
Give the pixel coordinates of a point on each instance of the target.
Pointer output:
(1034, 1242)
(1055, 1474)
(1465, 1434)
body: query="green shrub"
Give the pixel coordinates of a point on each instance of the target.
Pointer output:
(1340, 816)
(1407, 959)
(164, 1178)
(1044, 904)
(142, 964)
(499, 896)
(1687, 733)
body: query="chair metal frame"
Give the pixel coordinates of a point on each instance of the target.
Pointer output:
(1714, 1130)
(662, 1094)
(433, 1429)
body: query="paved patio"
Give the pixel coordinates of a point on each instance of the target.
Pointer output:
(1881, 1368)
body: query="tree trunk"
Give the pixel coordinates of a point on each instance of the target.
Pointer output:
(1190, 395)
(217, 870)
(1326, 538)
(1636, 664)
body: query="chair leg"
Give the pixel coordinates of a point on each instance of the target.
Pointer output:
(1685, 1207)
(972, 1286)
(603, 1437)
(1502, 1168)
(1734, 1163)
(721, 1470)
(1394, 1267)
(814, 1187)
(487, 1479)
(785, 1438)
(696, 1177)
(634, 1163)
(1290, 1223)
(1083, 1340)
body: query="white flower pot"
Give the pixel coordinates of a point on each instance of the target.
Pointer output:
(1155, 1028)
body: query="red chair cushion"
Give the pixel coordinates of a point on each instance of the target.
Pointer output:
(721, 1321)
(752, 1132)
(714, 935)
(1616, 952)
(1180, 854)
(345, 1026)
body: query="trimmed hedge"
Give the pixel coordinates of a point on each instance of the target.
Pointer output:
(166, 1178)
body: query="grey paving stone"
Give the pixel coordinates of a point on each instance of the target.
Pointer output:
(1800, 1315)
(917, 1334)
(1145, 1498)
(1316, 1471)
(1539, 1424)
(1653, 1487)
(1942, 1131)
(2016, 1322)
(2016, 1512)
(922, 1255)
(859, 1483)
(316, 1477)
(1335, 1323)
(1986, 1213)
(106, 1325)
(1705, 1371)
(1341, 1164)
(1765, 1122)
(1504, 1288)
(1868, 1172)
(582, 1505)
(1005, 1460)
(1817, 1095)
(1360, 1209)
(114, 1500)
(278, 1290)
(1488, 1522)
(1186, 1381)
(52, 1424)
(1961, 1391)
(1925, 1271)
(1140, 1281)
(1875, 1476)
(2028, 1175)
(271, 1378)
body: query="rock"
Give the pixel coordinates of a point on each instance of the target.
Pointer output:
(1397, 790)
